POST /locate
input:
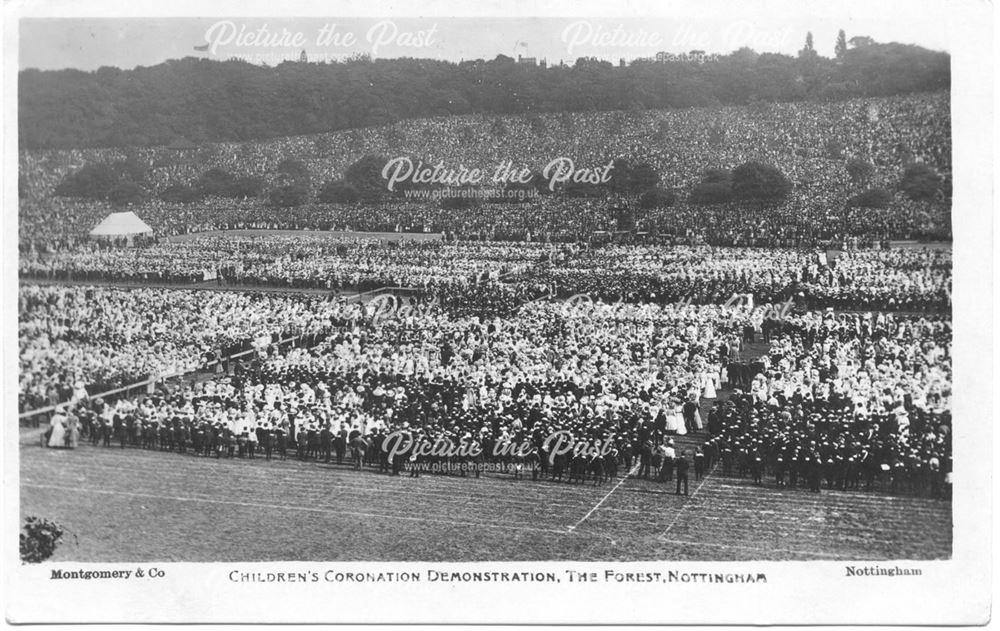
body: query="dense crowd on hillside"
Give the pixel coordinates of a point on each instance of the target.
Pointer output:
(872, 390)
(679, 144)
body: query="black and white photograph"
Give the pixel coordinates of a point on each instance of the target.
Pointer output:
(539, 300)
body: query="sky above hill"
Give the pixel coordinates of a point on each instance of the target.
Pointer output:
(88, 43)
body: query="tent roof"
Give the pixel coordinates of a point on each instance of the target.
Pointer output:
(121, 224)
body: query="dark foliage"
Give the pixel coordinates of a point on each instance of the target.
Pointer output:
(458, 202)
(294, 171)
(125, 193)
(211, 101)
(246, 187)
(221, 183)
(871, 198)
(630, 178)
(756, 182)
(93, 181)
(288, 195)
(366, 176)
(216, 182)
(129, 171)
(179, 193)
(338, 192)
(657, 198)
(859, 170)
(716, 187)
(920, 182)
(582, 189)
(711, 193)
(39, 539)
(642, 177)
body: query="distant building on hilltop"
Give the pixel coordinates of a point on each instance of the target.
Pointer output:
(529, 61)
(303, 58)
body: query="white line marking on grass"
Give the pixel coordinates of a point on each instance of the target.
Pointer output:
(519, 501)
(526, 496)
(686, 504)
(305, 469)
(297, 508)
(727, 546)
(850, 497)
(598, 505)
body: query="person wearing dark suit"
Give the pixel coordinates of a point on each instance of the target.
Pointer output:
(180, 435)
(264, 439)
(645, 459)
(699, 464)
(340, 445)
(281, 442)
(119, 426)
(689, 410)
(325, 443)
(714, 420)
(301, 443)
(682, 472)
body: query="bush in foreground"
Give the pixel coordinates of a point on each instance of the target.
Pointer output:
(39, 539)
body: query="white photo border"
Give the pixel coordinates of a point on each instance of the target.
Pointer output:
(955, 591)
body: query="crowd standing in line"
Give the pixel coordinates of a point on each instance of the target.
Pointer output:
(868, 394)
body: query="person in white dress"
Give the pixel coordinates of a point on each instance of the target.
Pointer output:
(708, 379)
(698, 425)
(58, 424)
(678, 415)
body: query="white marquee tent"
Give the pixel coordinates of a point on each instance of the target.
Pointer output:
(124, 224)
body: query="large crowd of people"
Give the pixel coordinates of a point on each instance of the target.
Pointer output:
(847, 401)
(912, 279)
(80, 340)
(893, 280)
(680, 145)
(868, 389)
(791, 340)
(295, 261)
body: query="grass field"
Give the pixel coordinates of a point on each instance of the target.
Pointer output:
(134, 505)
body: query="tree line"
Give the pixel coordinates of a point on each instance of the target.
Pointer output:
(631, 185)
(200, 100)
